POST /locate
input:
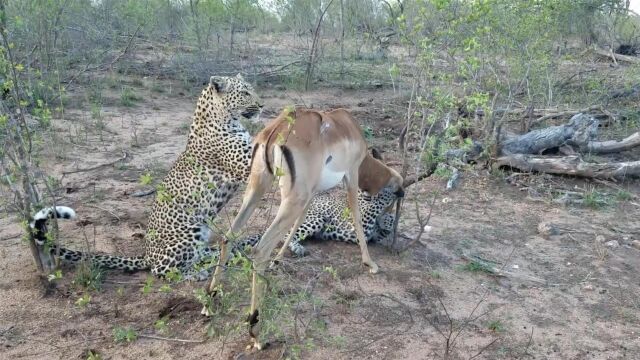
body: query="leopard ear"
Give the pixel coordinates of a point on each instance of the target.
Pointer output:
(220, 83)
(239, 76)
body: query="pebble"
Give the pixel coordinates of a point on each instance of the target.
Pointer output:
(588, 287)
(636, 244)
(612, 244)
(601, 239)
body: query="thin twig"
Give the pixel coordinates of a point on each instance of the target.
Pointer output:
(126, 48)
(124, 156)
(422, 223)
(483, 349)
(105, 210)
(142, 193)
(171, 339)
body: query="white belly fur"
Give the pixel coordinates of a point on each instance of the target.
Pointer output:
(329, 179)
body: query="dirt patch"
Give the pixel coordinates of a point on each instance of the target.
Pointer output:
(584, 306)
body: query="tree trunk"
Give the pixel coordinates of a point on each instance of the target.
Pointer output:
(194, 14)
(314, 46)
(341, 39)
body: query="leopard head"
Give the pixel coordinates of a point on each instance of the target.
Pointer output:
(236, 95)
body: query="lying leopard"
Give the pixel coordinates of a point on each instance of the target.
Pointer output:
(325, 220)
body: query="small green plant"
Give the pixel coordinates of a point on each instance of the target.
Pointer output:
(96, 111)
(443, 172)
(368, 133)
(128, 97)
(331, 271)
(89, 276)
(146, 179)
(84, 300)
(157, 87)
(93, 355)
(623, 195)
(496, 326)
(435, 274)
(121, 335)
(148, 285)
(56, 275)
(161, 325)
(477, 266)
(595, 199)
(174, 275)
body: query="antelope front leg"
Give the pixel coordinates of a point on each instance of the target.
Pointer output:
(258, 183)
(218, 274)
(257, 293)
(352, 199)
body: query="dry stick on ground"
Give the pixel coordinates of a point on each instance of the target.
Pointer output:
(573, 112)
(124, 156)
(105, 210)
(450, 339)
(170, 339)
(617, 57)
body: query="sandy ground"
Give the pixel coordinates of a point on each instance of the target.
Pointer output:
(568, 296)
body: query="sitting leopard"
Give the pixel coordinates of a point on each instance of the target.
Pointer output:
(205, 176)
(325, 220)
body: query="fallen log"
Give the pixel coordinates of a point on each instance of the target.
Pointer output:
(580, 130)
(612, 146)
(617, 57)
(569, 165)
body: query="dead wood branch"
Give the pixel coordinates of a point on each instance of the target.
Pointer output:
(412, 180)
(566, 113)
(616, 57)
(278, 69)
(570, 165)
(489, 266)
(142, 193)
(170, 339)
(612, 146)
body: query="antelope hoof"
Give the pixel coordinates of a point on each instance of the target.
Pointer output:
(274, 263)
(254, 330)
(205, 310)
(373, 268)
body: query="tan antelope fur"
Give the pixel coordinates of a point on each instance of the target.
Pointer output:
(308, 152)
